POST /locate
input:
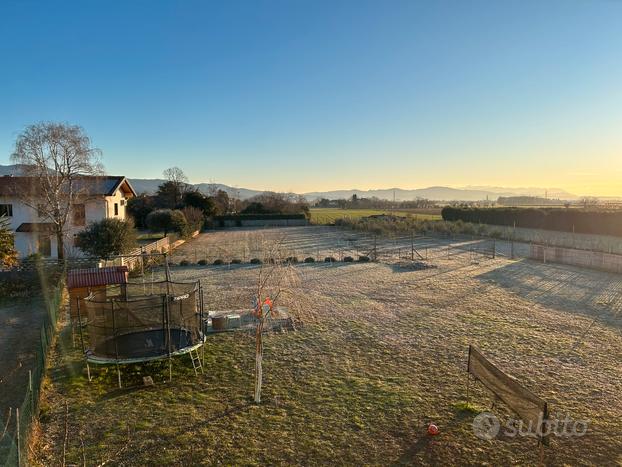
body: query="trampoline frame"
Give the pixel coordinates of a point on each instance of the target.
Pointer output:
(167, 299)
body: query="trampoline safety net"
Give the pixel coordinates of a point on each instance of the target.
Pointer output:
(139, 322)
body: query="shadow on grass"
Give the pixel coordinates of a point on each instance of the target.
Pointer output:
(172, 441)
(425, 443)
(570, 289)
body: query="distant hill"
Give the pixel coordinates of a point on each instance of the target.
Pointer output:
(436, 193)
(11, 169)
(547, 193)
(150, 186)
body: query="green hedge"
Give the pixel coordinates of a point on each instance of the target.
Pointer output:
(560, 219)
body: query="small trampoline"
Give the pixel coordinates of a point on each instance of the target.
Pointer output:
(140, 322)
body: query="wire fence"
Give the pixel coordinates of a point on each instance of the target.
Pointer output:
(15, 429)
(343, 247)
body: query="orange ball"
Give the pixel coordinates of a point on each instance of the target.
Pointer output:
(433, 430)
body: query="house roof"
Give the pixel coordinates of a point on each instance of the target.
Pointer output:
(105, 185)
(96, 277)
(43, 227)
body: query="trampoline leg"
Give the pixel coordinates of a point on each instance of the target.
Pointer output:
(88, 372)
(170, 369)
(119, 375)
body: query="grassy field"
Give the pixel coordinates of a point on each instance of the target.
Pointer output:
(379, 353)
(329, 215)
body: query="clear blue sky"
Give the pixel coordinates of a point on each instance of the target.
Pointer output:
(309, 95)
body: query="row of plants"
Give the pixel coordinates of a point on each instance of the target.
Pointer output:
(288, 260)
(407, 225)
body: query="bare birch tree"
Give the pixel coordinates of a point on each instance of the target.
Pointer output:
(276, 277)
(55, 156)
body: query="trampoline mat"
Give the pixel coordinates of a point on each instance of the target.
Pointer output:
(144, 344)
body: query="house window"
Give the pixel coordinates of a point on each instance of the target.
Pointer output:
(122, 202)
(116, 209)
(45, 245)
(6, 210)
(79, 214)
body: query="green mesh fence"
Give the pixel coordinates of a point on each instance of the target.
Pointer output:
(15, 429)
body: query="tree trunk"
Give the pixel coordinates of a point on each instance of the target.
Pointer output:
(258, 361)
(60, 245)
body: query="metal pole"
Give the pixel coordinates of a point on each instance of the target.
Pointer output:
(201, 329)
(468, 374)
(32, 396)
(116, 344)
(168, 332)
(19, 457)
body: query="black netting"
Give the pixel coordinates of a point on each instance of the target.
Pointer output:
(527, 405)
(141, 321)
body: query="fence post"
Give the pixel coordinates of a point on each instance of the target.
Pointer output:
(32, 397)
(19, 460)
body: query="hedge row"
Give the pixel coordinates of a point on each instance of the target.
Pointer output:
(560, 219)
(258, 217)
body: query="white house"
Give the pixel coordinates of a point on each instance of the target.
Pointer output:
(98, 198)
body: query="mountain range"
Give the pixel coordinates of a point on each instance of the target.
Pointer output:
(437, 193)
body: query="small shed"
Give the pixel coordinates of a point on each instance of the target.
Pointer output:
(82, 282)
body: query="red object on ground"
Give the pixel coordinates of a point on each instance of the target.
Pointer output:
(433, 430)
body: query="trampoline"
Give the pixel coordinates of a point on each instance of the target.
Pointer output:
(140, 322)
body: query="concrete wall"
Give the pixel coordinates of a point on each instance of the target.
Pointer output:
(583, 258)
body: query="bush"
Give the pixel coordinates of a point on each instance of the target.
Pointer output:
(236, 261)
(348, 259)
(108, 237)
(291, 260)
(184, 262)
(8, 254)
(167, 220)
(310, 259)
(364, 259)
(194, 219)
(202, 262)
(329, 259)
(255, 261)
(218, 262)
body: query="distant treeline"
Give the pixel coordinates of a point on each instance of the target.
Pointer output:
(355, 202)
(598, 222)
(529, 201)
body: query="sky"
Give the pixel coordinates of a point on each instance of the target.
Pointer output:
(311, 95)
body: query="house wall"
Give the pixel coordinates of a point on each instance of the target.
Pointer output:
(96, 209)
(26, 243)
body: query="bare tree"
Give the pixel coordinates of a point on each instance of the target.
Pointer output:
(275, 278)
(177, 183)
(55, 156)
